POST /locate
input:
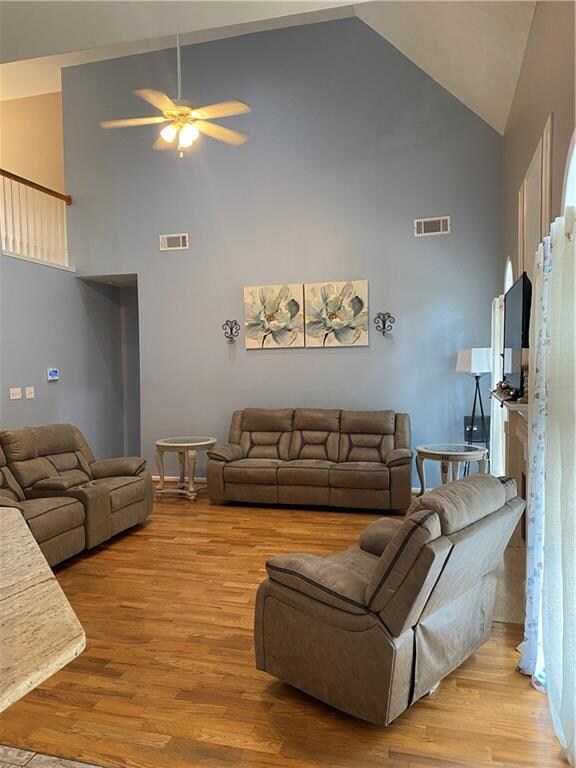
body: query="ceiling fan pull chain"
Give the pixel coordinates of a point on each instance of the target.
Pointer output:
(179, 66)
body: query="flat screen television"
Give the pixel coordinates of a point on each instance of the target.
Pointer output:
(516, 332)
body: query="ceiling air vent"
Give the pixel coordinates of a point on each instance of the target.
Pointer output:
(174, 242)
(437, 226)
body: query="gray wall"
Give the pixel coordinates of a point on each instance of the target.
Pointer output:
(48, 318)
(546, 85)
(349, 141)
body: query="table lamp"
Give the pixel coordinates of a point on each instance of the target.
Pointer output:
(476, 362)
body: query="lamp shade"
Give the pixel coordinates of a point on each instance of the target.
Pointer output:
(475, 361)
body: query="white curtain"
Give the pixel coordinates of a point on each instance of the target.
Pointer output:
(498, 414)
(532, 648)
(559, 565)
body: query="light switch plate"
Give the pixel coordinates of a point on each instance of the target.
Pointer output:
(53, 374)
(15, 393)
(30, 394)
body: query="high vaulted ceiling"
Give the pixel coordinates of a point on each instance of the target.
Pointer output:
(473, 49)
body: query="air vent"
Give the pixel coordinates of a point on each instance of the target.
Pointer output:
(174, 242)
(437, 226)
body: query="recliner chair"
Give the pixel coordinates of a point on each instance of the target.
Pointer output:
(374, 628)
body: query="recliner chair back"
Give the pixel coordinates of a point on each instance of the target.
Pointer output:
(437, 575)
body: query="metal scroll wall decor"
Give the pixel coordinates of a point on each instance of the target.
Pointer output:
(384, 322)
(231, 330)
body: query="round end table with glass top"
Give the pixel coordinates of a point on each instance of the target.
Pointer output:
(186, 448)
(449, 455)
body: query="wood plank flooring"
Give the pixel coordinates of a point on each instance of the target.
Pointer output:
(168, 677)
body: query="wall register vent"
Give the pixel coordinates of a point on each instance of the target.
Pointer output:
(440, 225)
(174, 242)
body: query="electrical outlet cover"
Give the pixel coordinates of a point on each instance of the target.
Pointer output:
(30, 394)
(53, 374)
(15, 393)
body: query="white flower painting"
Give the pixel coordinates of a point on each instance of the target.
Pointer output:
(274, 316)
(336, 314)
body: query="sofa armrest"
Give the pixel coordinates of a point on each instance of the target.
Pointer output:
(316, 577)
(398, 456)
(376, 536)
(120, 467)
(6, 501)
(97, 510)
(55, 483)
(225, 452)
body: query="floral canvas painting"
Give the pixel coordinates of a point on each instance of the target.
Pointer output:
(336, 314)
(274, 316)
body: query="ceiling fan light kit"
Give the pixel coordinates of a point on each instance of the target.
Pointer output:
(185, 121)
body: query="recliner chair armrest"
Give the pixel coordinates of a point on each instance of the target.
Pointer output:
(225, 452)
(376, 536)
(5, 501)
(398, 456)
(124, 466)
(320, 579)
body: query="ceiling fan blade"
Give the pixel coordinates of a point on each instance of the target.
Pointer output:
(224, 109)
(131, 121)
(161, 143)
(156, 98)
(219, 132)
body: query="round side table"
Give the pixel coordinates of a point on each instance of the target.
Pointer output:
(449, 455)
(186, 448)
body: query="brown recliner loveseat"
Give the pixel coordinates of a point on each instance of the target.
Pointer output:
(312, 456)
(70, 501)
(374, 628)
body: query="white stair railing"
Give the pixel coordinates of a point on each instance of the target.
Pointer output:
(33, 220)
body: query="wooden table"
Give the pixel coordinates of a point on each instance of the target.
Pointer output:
(186, 448)
(39, 631)
(450, 455)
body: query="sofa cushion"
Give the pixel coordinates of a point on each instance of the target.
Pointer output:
(366, 435)
(9, 488)
(267, 419)
(123, 490)
(265, 433)
(52, 516)
(360, 474)
(305, 472)
(315, 434)
(252, 471)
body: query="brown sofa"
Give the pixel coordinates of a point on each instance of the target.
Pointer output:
(307, 456)
(373, 629)
(70, 501)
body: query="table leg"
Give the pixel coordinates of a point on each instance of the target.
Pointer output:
(455, 470)
(160, 465)
(191, 473)
(444, 467)
(421, 474)
(182, 461)
(483, 466)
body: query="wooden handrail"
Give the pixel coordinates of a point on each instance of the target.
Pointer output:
(33, 185)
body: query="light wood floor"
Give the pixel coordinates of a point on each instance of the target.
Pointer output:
(168, 678)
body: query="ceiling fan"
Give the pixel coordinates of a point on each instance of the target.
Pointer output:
(185, 121)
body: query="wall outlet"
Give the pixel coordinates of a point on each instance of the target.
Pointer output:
(15, 393)
(30, 394)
